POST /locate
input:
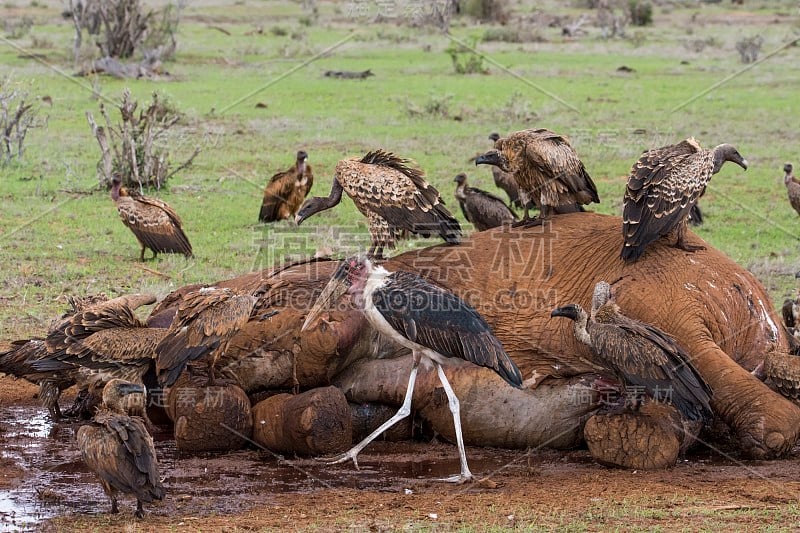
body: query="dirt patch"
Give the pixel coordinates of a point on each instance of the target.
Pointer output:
(45, 485)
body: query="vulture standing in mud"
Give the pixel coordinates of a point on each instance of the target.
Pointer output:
(20, 362)
(154, 223)
(393, 196)
(285, 192)
(204, 324)
(640, 354)
(505, 180)
(484, 210)
(547, 170)
(431, 322)
(664, 184)
(792, 187)
(118, 448)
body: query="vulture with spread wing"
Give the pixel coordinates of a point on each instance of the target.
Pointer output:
(664, 185)
(392, 196)
(549, 173)
(154, 223)
(285, 192)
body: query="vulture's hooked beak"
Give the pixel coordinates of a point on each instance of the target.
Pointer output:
(743, 163)
(334, 290)
(568, 311)
(493, 157)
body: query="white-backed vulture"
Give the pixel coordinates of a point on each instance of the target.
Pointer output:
(118, 448)
(662, 187)
(483, 209)
(285, 192)
(792, 187)
(392, 196)
(548, 172)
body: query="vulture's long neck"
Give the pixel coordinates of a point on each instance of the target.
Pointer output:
(301, 167)
(581, 333)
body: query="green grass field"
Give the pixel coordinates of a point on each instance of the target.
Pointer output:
(60, 234)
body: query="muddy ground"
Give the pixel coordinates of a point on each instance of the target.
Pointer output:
(45, 486)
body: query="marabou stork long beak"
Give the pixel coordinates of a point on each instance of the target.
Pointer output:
(334, 290)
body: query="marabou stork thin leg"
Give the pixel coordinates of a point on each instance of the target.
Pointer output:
(403, 412)
(455, 409)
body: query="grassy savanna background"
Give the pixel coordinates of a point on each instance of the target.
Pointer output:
(60, 234)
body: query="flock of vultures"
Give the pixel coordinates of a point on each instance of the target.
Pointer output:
(117, 359)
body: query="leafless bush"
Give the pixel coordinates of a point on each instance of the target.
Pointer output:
(487, 10)
(749, 48)
(18, 114)
(123, 27)
(17, 28)
(136, 148)
(611, 19)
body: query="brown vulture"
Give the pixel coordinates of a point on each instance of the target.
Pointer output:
(695, 216)
(505, 180)
(547, 170)
(154, 223)
(206, 320)
(285, 192)
(484, 210)
(641, 355)
(20, 361)
(118, 448)
(392, 196)
(792, 187)
(663, 186)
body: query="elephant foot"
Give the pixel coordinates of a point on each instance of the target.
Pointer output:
(648, 439)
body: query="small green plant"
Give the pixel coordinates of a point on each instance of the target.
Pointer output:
(641, 12)
(466, 58)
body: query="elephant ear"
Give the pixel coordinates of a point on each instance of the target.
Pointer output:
(663, 186)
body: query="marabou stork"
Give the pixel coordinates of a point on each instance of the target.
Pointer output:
(433, 323)
(285, 192)
(549, 173)
(664, 184)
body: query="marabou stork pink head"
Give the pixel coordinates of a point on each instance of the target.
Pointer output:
(351, 276)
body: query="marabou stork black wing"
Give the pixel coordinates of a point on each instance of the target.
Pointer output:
(120, 451)
(440, 320)
(663, 186)
(650, 358)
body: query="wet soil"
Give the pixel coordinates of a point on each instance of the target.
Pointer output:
(44, 485)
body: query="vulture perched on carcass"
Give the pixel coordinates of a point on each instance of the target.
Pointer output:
(285, 192)
(549, 173)
(483, 209)
(118, 448)
(154, 223)
(664, 184)
(505, 180)
(792, 187)
(392, 196)
(203, 325)
(641, 355)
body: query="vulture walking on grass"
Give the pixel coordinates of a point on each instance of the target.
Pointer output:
(285, 192)
(792, 187)
(203, 326)
(549, 173)
(433, 323)
(154, 223)
(483, 209)
(640, 354)
(664, 184)
(119, 450)
(394, 198)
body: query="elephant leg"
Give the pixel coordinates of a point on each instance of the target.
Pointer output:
(765, 422)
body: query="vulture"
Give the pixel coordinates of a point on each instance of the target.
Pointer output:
(695, 216)
(433, 323)
(154, 223)
(547, 170)
(118, 448)
(205, 322)
(484, 210)
(20, 361)
(286, 191)
(641, 355)
(663, 186)
(792, 187)
(394, 198)
(505, 180)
